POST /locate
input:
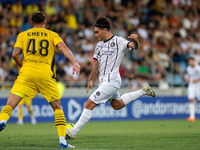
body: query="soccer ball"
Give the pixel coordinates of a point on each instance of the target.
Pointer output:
(69, 125)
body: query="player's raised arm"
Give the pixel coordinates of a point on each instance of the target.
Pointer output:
(93, 74)
(16, 55)
(135, 43)
(66, 51)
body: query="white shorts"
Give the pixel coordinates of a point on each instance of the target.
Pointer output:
(194, 91)
(105, 93)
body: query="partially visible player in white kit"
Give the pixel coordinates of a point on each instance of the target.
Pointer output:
(193, 80)
(108, 54)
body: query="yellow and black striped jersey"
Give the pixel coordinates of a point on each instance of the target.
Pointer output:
(37, 46)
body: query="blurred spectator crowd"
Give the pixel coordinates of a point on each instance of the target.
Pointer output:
(168, 30)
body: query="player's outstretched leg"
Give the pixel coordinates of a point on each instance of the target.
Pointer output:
(4, 116)
(129, 97)
(70, 133)
(149, 91)
(84, 118)
(12, 102)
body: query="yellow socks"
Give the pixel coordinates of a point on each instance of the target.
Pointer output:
(6, 113)
(20, 114)
(60, 122)
(31, 111)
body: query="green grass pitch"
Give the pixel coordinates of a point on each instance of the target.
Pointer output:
(118, 135)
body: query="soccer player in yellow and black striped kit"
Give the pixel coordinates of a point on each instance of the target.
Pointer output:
(37, 72)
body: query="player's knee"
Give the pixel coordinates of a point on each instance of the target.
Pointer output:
(117, 104)
(191, 100)
(54, 109)
(90, 104)
(20, 106)
(116, 107)
(56, 105)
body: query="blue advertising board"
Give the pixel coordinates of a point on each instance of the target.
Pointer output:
(168, 107)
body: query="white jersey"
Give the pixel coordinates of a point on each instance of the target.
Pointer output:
(193, 73)
(193, 88)
(109, 54)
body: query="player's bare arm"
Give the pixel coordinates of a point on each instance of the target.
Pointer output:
(66, 51)
(135, 43)
(187, 80)
(16, 55)
(93, 74)
(196, 80)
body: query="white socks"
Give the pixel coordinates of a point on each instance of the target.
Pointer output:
(192, 109)
(2, 121)
(85, 117)
(87, 114)
(129, 97)
(62, 140)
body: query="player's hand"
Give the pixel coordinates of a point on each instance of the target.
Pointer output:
(187, 80)
(76, 68)
(134, 38)
(195, 80)
(89, 85)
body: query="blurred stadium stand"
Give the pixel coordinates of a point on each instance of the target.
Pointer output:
(169, 32)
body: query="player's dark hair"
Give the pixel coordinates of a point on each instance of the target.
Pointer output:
(190, 58)
(38, 17)
(103, 22)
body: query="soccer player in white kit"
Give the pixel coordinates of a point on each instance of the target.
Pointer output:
(193, 80)
(108, 54)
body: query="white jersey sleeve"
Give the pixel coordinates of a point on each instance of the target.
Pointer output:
(123, 43)
(97, 51)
